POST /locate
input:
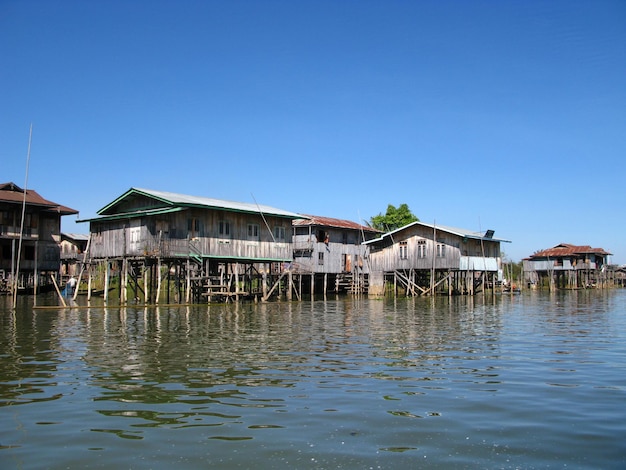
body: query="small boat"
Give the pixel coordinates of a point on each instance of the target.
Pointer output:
(511, 290)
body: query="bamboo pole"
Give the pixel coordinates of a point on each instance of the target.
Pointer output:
(82, 267)
(56, 287)
(19, 249)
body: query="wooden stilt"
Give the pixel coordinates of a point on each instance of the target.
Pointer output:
(107, 275)
(187, 282)
(289, 285)
(89, 277)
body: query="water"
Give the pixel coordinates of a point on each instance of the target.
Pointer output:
(536, 380)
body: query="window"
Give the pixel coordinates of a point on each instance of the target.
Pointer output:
(193, 227)
(441, 250)
(223, 229)
(28, 219)
(421, 248)
(279, 234)
(403, 250)
(7, 218)
(320, 258)
(253, 231)
(344, 238)
(302, 231)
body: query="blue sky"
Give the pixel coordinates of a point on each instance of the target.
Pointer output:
(499, 115)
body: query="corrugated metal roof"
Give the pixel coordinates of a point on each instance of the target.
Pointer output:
(134, 214)
(566, 249)
(177, 199)
(443, 228)
(76, 236)
(331, 222)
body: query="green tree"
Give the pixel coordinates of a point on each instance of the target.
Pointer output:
(394, 218)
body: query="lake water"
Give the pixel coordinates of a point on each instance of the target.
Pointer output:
(536, 380)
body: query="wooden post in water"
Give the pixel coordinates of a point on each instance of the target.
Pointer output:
(289, 284)
(106, 280)
(264, 285)
(56, 287)
(124, 282)
(89, 283)
(158, 288)
(187, 282)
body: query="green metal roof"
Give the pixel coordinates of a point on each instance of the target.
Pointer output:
(135, 214)
(183, 200)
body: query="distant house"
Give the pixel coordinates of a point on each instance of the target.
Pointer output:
(423, 259)
(200, 239)
(72, 247)
(39, 255)
(567, 266)
(331, 252)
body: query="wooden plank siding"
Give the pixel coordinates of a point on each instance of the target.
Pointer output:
(415, 248)
(40, 251)
(193, 232)
(330, 246)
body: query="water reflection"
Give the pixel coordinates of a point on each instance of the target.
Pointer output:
(321, 384)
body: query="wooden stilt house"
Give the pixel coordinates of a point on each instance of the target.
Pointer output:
(567, 266)
(425, 259)
(175, 247)
(329, 255)
(35, 239)
(72, 247)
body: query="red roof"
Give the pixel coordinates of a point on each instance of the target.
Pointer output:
(330, 222)
(11, 193)
(565, 249)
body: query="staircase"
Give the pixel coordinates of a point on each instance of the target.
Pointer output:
(352, 283)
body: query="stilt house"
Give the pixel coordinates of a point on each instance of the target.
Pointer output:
(72, 247)
(205, 247)
(567, 266)
(329, 253)
(39, 253)
(423, 259)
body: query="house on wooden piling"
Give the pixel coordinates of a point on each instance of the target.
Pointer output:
(567, 266)
(329, 255)
(190, 247)
(39, 253)
(425, 259)
(72, 248)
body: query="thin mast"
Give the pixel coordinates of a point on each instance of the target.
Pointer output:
(19, 248)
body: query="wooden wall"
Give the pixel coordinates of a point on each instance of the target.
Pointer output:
(420, 251)
(342, 253)
(192, 232)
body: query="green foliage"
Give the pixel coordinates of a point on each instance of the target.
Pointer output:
(394, 218)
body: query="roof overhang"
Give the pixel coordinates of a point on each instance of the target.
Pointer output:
(134, 214)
